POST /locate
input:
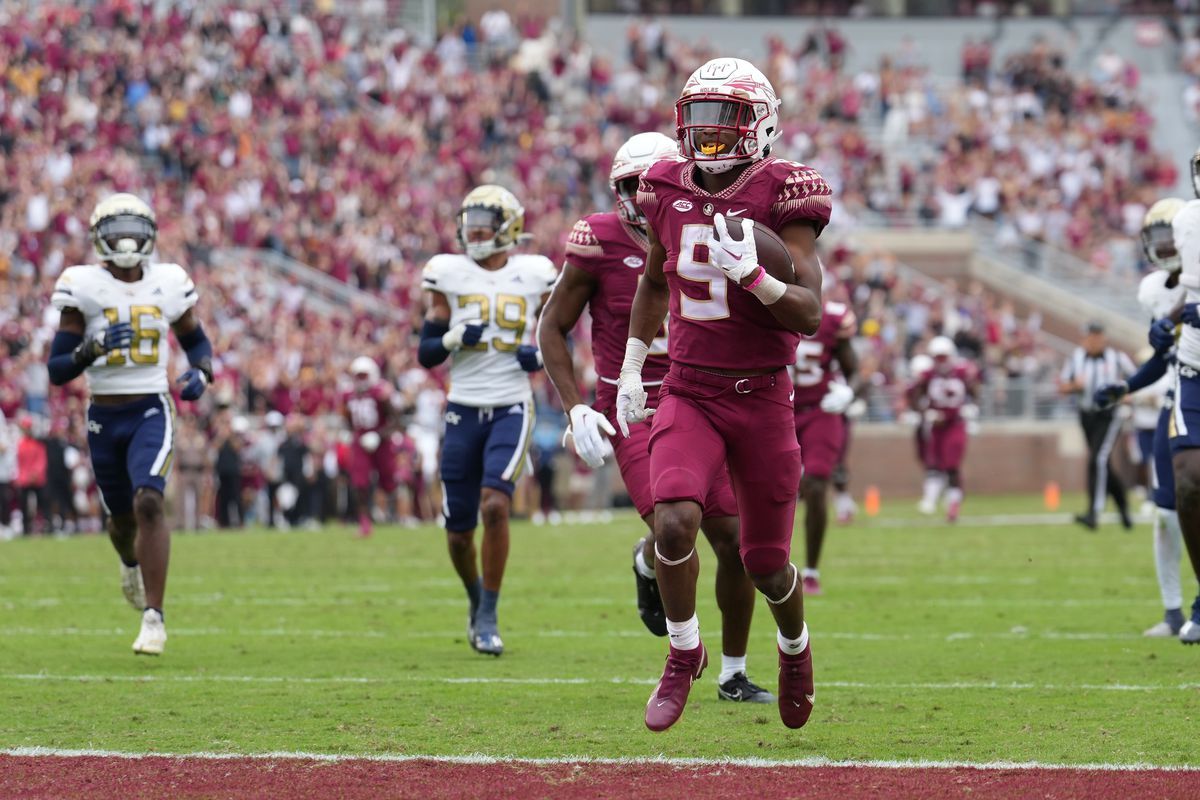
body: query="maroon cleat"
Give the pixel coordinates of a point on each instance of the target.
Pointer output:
(796, 692)
(666, 703)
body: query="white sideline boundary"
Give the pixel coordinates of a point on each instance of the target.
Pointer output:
(467, 680)
(481, 759)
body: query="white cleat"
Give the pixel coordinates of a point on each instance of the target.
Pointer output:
(1190, 633)
(131, 585)
(153, 636)
(927, 507)
(1160, 630)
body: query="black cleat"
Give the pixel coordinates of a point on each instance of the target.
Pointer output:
(739, 689)
(1086, 520)
(649, 601)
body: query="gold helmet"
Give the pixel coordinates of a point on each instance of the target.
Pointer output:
(123, 230)
(494, 208)
(1158, 239)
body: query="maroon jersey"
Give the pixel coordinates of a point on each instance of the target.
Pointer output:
(614, 253)
(367, 410)
(713, 322)
(815, 354)
(946, 391)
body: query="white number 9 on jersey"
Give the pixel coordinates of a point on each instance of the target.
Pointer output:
(690, 268)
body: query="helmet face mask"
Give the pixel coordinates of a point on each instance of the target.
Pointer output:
(633, 158)
(627, 207)
(1158, 242)
(490, 221)
(727, 115)
(123, 231)
(1158, 237)
(1196, 173)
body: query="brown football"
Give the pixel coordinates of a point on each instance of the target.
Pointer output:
(773, 254)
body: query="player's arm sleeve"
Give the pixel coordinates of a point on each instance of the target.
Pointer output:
(62, 365)
(804, 196)
(198, 349)
(431, 351)
(1154, 368)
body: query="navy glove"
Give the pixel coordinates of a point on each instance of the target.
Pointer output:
(472, 333)
(1162, 335)
(1110, 394)
(529, 358)
(194, 382)
(114, 337)
(1191, 315)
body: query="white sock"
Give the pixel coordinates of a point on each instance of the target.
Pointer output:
(933, 488)
(954, 495)
(809, 572)
(791, 647)
(730, 666)
(1168, 549)
(644, 569)
(684, 635)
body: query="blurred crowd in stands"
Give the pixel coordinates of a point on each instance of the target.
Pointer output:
(347, 145)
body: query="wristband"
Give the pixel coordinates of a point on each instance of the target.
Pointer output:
(635, 355)
(767, 289)
(762, 273)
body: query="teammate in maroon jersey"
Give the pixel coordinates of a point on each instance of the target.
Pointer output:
(606, 255)
(734, 330)
(367, 408)
(947, 393)
(822, 398)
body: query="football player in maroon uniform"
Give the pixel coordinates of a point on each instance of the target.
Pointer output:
(606, 255)
(946, 391)
(367, 408)
(822, 399)
(727, 397)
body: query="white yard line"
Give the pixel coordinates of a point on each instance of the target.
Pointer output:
(336, 679)
(479, 759)
(1017, 634)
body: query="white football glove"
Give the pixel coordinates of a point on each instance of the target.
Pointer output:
(837, 399)
(452, 339)
(370, 441)
(737, 259)
(585, 428)
(970, 412)
(631, 395)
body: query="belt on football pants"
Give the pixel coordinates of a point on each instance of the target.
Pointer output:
(741, 385)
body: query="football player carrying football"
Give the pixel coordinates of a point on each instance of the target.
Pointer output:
(481, 306)
(113, 324)
(734, 327)
(606, 255)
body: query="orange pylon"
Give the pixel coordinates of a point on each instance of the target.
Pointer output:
(1051, 496)
(871, 501)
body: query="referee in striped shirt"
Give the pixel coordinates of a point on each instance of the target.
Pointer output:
(1091, 366)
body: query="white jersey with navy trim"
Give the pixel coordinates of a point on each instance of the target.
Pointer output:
(1156, 298)
(507, 302)
(151, 305)
(1186, 230)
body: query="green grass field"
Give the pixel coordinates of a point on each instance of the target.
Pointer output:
(975, 643)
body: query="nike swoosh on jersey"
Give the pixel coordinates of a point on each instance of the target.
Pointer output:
(737, 213)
